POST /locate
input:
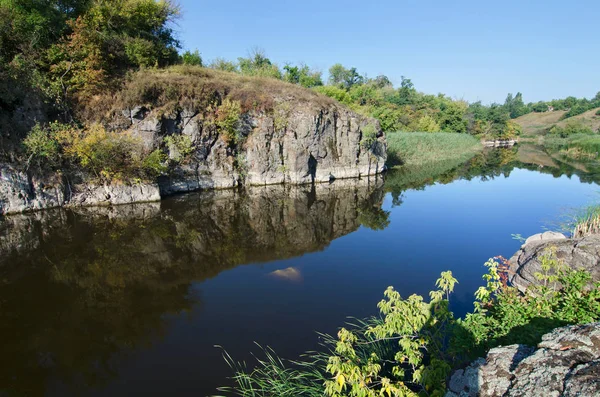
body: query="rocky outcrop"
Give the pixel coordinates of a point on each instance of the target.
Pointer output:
(312, 144)
(566, 363)
(309, 143)
(581, 253)
(22, 191)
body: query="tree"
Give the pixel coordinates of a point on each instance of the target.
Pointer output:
(191, 58)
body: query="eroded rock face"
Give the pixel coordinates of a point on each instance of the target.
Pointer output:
(582, 253)
(315, 144)
(566, 363)
(22, 191)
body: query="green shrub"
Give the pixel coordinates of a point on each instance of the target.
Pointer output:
(369, 136)
(155, 163)
(336, 93)
(42, 146)
(180, 147)
(191, 58)
(228, 119)
(571, 128)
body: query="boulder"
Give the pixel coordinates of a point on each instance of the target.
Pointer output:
(566, 363)
(581, 253)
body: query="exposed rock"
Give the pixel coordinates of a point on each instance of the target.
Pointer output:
(566, 363)
(319, 143)
(21, 191)
(582, 253)
(543, 237)
(114, 194)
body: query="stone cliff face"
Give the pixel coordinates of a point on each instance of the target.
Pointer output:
(314, 143)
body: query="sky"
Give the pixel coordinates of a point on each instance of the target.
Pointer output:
(472, 50)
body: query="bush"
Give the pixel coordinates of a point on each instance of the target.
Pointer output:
(369, 136)
(228, 119)
(41, 145)
(191, 58)
(571, 128)
(179, 146)
(336, 93)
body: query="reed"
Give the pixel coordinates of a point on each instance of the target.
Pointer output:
(587, 222)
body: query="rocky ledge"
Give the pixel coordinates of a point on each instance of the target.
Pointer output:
(566, 363)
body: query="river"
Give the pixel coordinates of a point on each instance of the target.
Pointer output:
(131, 300)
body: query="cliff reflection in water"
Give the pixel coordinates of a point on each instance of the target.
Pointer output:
(78, 288)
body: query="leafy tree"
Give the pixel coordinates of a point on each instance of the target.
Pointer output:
(191, 58)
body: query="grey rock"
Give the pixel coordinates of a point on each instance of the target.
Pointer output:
(581, 253)
(565, 363)
(22, 191)
(320, 143)
(544, 237)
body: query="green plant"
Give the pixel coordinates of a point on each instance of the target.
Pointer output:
(369, 136)
(155, 163)
(41, 145)
(503, 315)
(228, 119)
(180, 147)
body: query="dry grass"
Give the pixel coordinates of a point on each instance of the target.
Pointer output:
(587, 223)
(197, 88)
(539, 123)
(587, 119)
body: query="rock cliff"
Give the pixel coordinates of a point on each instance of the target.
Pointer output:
(317, 142)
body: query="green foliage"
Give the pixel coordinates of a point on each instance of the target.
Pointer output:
(302, 75)
(258, 64)
(336, 93)
(41, 145)
(369, 136)
(180, 147)
(191, 58)
(107, 40)
(388, 357)
(428, 124)
(413, 148)
(571, 128)
(224, 65)
(344, 78)
(155, 164)
(227, 120)
(505, 316)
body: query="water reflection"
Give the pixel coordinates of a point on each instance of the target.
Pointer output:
(78, 287)
(81, 290)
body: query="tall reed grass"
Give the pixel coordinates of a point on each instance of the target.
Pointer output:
(418, 148)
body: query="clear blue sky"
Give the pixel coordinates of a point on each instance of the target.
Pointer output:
(476, 50)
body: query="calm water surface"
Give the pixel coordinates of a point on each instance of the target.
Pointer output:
(132, 300)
